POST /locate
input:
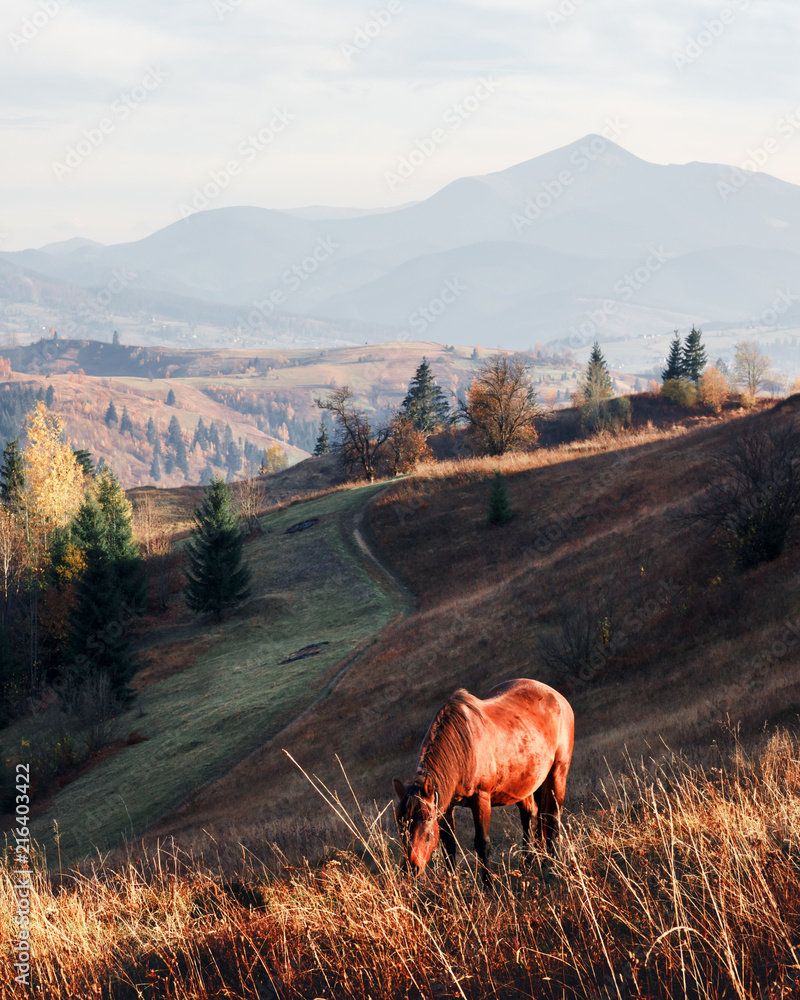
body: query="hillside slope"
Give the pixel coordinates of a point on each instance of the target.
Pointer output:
(210, 692)
(595, 522)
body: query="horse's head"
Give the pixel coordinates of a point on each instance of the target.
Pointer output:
(417, 821)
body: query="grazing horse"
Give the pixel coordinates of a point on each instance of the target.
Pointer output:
(514, 746)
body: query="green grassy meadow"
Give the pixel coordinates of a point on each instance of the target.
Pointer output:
(308, 587)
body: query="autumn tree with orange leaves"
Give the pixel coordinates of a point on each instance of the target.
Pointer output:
(500, 408)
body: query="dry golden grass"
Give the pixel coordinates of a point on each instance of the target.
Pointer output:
(684, 883)
(484, 597)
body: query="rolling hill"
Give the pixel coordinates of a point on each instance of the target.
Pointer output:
(534, 249)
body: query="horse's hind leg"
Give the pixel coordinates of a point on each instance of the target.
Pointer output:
(550, 798)
(528, 810)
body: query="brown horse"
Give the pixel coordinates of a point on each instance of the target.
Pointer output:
(515, 746)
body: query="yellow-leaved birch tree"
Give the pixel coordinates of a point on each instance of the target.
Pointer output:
(55, 482)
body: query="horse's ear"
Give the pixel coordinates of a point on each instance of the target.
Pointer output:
(400, 788)
(428, 788)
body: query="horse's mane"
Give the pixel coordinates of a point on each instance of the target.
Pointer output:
(447, 752)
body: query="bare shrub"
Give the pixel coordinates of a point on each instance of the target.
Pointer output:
(250, 497)
(752, 494)
(575, 648)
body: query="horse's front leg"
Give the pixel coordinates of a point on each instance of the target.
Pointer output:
(482, 814)
(448, 837)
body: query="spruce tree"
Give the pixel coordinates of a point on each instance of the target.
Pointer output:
(84, 460)
(595, 389)
(200, 435)
(500, 511)
(155, 465)
(181, 460)
(694, 356)
(174, 434)
(323, 445)
(217, 578)
(111, 414)
(425, 402)
(125, 424)
(97, 640)
(171, 397)
(122, 549)
(675, 368)
(12, 476)
(597, 384)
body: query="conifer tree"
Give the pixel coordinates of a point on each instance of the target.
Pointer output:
(694, 356)
(674, 367)
(155, 465)
(84, 460)
(171, 397)
(111, 414)
(174, 434)
(594, 390)
(99, 609)
(181, 460)
(12, 477)
(200, 435)
(323, 445)
(50, 396)
(125, 424)
(151, 431)
(217, 577)
(500, 511)
(597, 384)
(425, 402)
(123, 551)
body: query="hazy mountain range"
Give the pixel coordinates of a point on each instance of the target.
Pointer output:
(524, 254)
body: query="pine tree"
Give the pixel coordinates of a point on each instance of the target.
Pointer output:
(322, 446)
(174, 434)
(171, 397)
(200, 435)
(675, 368)
(217, 578)
(12, 476)
(122, 549)
(125, 424)
(233, 459)
(594, 390)
(181, 460)
(500, 511)
(151, 431)
(425, 402)
(155, 465)
(111, 414)
(597, 384)
(694, 356)
(50, 396)
(97, 633)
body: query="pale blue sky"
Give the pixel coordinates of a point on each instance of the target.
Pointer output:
(198, 77)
